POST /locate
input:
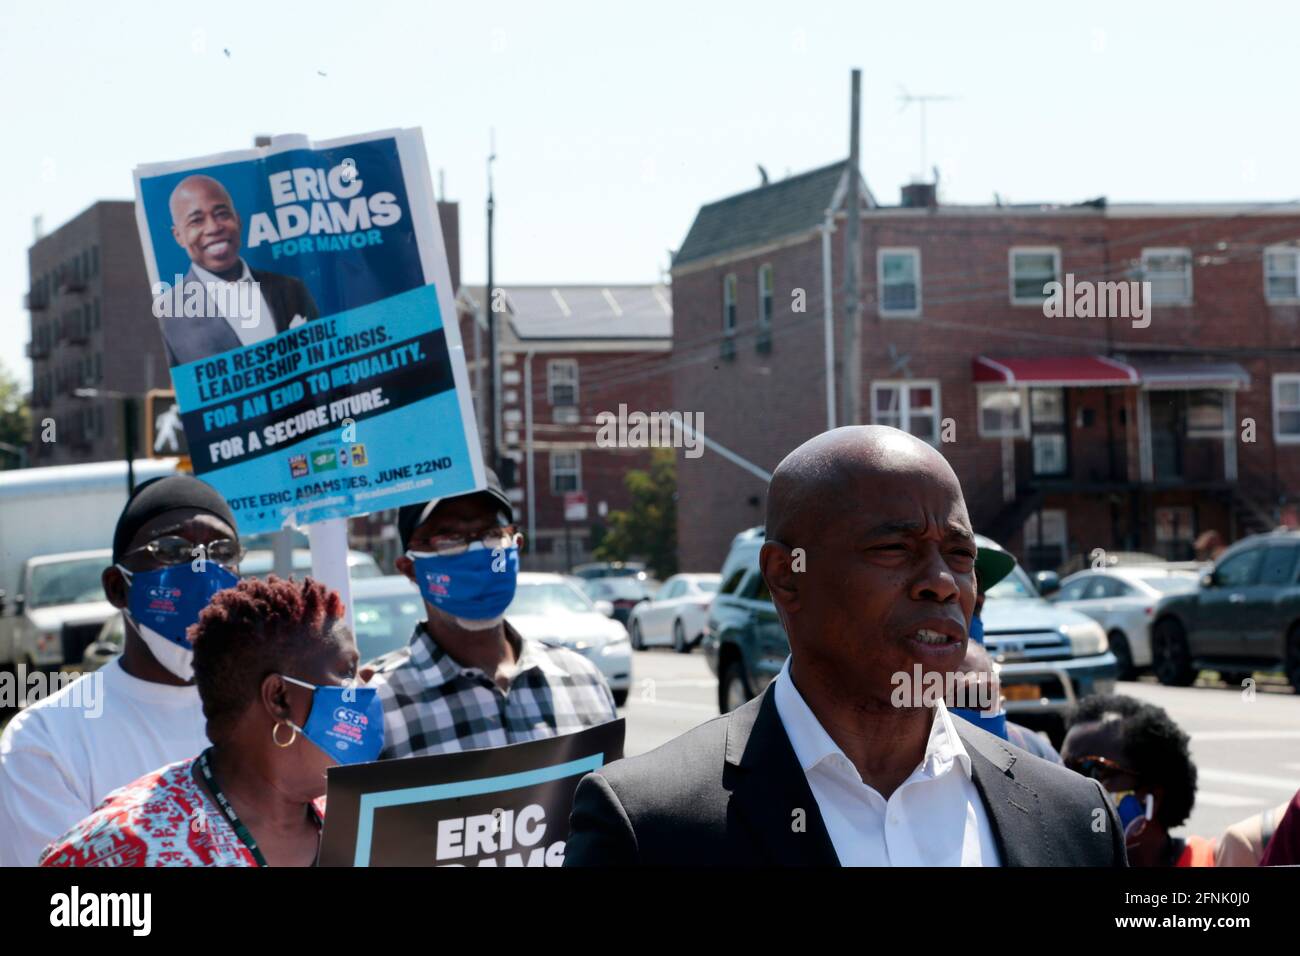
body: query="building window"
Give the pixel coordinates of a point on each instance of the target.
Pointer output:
(97, 318)
(1170, 273)
(1282, 274)
(898, 277)
(562, 381)
(1002, 412)
(1047, 422)
(1046, 539)
(1207, 413)
(566, 471)
(766, 291)
(1032, 267)
(1286, 408)
(912, 406)
(729, 305)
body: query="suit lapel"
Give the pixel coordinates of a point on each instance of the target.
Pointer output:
(1015, 812)
(771, 787)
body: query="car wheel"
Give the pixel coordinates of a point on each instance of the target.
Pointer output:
(1170, 658)
(620, 698)
(679, 639)
(637, 643)
(1123, 654)
(733, 689)
(1293, 657)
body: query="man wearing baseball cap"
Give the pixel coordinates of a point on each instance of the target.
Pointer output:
(174, 547)
(468, 679)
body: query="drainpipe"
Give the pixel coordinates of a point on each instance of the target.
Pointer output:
(528, 441)
(828, 318)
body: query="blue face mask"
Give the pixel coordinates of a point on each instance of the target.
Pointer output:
(345, 722)
(164, 602)
(1134, 813)
(977, 629)
(475, 585)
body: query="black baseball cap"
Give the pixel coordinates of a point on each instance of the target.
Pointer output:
(410, 517)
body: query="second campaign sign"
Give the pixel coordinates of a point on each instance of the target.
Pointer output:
(306, 309)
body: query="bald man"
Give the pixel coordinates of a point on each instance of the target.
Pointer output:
(870, 561)
(206, 225)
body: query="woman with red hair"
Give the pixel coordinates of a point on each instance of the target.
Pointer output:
(275, 667)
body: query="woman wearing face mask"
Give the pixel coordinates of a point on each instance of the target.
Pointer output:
(174, 546)
(468, 679)
(274, 664)
(1143, 760)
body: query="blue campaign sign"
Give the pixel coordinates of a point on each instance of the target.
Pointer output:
(305, 306)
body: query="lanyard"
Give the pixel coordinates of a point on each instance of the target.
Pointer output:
(228, 811)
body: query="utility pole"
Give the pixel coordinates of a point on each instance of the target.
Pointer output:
(851, 397)
(489, 302)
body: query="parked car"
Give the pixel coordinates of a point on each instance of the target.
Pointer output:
(676, 614)
(549, 609)
(609, 569)
(57, 611)
(1123, 601)
(620, 595)
(1243, 617)
(1049, 656)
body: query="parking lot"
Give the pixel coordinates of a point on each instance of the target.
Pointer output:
(1247, 749)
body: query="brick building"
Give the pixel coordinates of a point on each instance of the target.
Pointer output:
(568, 352)
(1068, 433)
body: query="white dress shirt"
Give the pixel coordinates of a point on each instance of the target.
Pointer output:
(934, 818)
(260, 325)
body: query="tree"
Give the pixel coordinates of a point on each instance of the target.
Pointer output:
(15, 419)
(648, 529)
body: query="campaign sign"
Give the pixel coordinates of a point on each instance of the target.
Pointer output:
(501, 806)
(306, 310)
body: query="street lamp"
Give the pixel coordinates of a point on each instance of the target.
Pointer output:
(128, 426)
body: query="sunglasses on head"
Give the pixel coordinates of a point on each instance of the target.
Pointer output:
(1098, 768)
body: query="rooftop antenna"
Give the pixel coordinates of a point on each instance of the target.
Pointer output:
(907, 99)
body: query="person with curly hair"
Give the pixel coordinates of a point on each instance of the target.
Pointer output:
(275, 667)
(1142, 758)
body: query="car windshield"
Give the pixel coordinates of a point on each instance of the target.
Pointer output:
(384, 624)
(67, 582)
(549, 599)
(1014, 585)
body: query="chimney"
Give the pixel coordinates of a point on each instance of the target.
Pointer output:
(920, 196)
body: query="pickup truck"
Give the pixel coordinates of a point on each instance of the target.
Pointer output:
(57, 612)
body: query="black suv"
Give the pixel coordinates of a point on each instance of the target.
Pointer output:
(1244, 617)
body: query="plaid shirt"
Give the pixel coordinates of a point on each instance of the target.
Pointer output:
(433, 705)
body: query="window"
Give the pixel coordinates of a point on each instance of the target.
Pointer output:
(1282, 274)
(1170, 273)
(98, 317)
(729, 305)
(1045, 538)
(898, 276)
(1002, 412)
(566, 471)
(1073, 591)
(1239, 570)
(562, 381)
(1031, 269)
(766, 291)
(1286, 408)
(732, 582)
(911, 406)
(1278, 566)
(1047, 420)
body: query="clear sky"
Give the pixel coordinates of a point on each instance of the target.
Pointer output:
(614, 122)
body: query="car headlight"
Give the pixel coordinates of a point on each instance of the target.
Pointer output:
(616, 645)
(1086, 638)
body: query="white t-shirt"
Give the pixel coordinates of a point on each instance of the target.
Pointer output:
(63, 755)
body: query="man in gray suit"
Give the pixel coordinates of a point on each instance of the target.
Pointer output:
(207, 226)
(870, 562)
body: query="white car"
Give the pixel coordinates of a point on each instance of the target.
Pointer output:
(549, 609)
(676, 614)
(1123, 600)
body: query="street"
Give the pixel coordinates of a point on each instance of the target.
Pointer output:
(1247, 752)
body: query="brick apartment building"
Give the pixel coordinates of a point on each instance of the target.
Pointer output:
(1068, 434)
(569, 352)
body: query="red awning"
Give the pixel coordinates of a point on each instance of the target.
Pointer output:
(1061, 370)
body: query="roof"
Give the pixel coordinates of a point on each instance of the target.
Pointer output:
(587, 311)
(780, 209)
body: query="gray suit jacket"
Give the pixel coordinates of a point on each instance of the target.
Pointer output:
(725, 794)
(190, 338)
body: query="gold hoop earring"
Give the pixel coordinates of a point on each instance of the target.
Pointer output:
(275, 728)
